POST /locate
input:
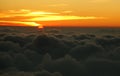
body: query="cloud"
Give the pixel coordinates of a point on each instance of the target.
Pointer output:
(66, 12)
(30, 17)
(24, 13)
(58, 5)
(56, 18)
(19, 11)
(99, 1)
(18, 23)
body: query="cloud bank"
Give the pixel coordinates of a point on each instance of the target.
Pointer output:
(31, 17)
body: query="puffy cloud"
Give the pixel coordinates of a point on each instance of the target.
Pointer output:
(51, 45)
(84, 51)
(102, 67)
(95, 59)
(6, 61)
(6, 46)
(68, 66)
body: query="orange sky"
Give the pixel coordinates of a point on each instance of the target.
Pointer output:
(82, 13)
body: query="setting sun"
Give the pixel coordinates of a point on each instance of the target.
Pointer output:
(35, 18)
(59, 37)
(14, 23)
(87, 13)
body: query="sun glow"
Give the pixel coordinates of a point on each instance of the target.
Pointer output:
(30, 23)
(56, 18)
(41, 13)
(40, 27)
(17, 23)
(25, 17)
(83, 13)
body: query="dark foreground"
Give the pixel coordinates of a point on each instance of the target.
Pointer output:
(28, 51)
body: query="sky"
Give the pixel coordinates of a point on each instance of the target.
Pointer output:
(82, 13)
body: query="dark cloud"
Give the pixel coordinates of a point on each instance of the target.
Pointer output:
(30, 52)
(68, 66)
(51, 45)
(6, 61)
(6, 46)
(102, 67)
(84, 51)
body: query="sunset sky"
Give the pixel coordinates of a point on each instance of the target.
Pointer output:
(82, 13)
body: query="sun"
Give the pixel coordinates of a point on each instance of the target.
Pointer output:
(40, 27)
(31, 23)
(19, 23)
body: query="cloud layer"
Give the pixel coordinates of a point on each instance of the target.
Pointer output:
(27, 17)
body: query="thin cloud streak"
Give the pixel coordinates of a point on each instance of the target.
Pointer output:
(24, 13)
(99, 1)
(58, 5)
(56, 18)
(19, 23)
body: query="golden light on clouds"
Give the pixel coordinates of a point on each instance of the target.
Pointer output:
(56, 18)
(58, 5)
(100, 1)
(38, 13)
(19, 11)
(29, 17)
(14, 23)
(62, 12)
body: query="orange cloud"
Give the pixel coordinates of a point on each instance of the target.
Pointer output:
(58, 5)
(19, 11)
(56, 18)
(100, 1)
(41, 15)
(20, 23)
(67, 11)
(24, 13)
(29, 17)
